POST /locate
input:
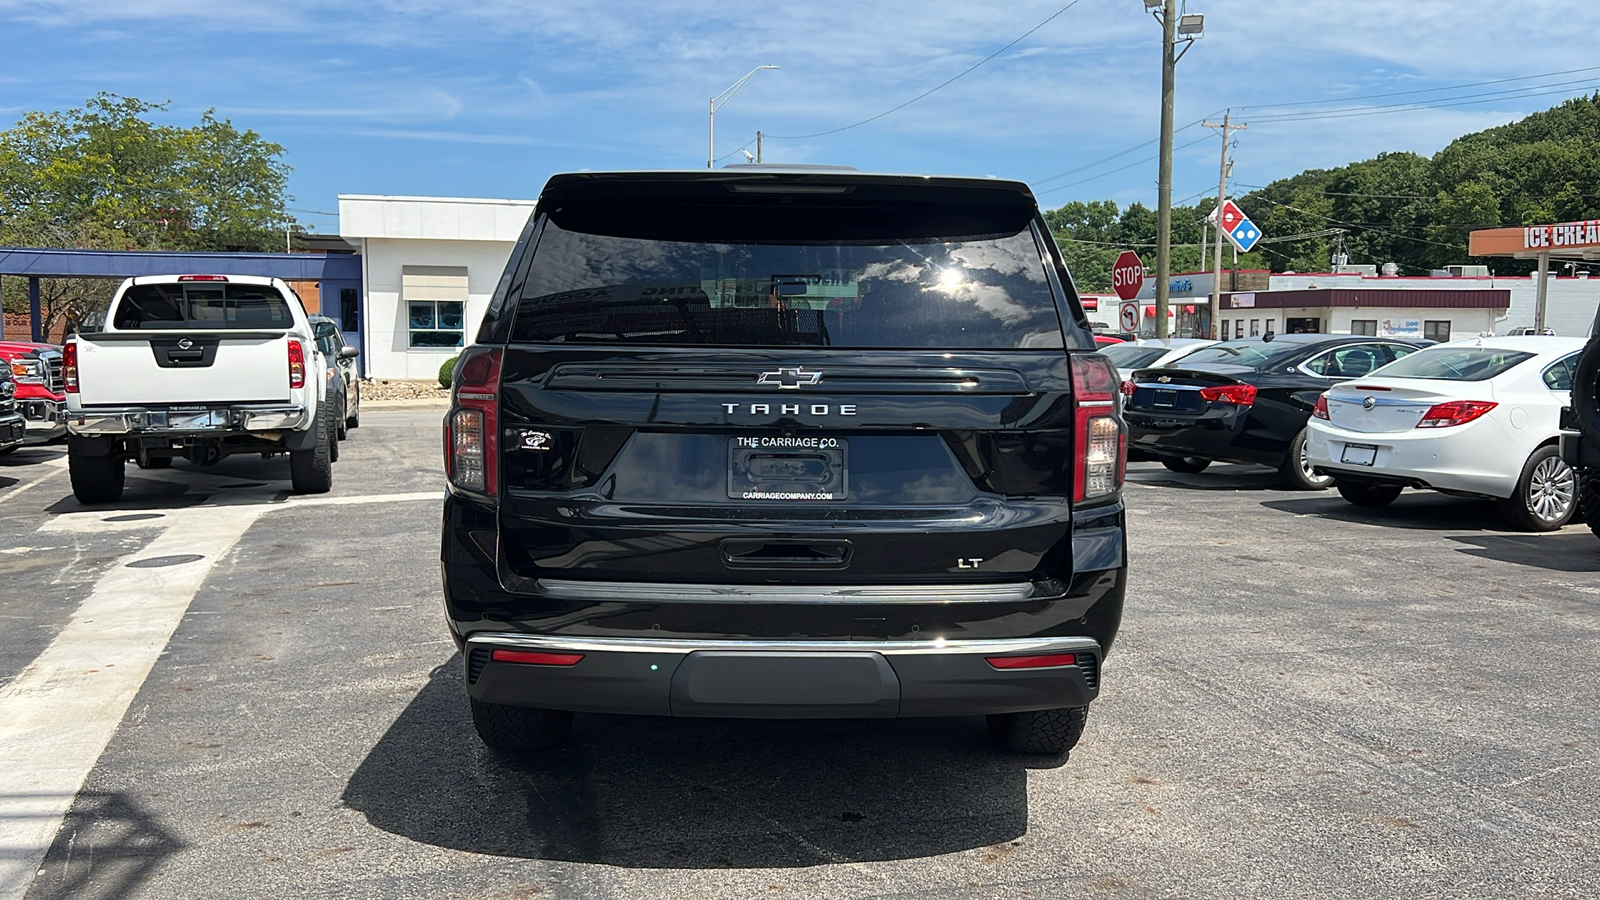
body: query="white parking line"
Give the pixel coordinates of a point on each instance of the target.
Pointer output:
(59, 714)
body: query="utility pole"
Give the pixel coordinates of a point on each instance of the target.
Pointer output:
(1173, 27)
(758, 146)
(1227, 128)
(1169, 77)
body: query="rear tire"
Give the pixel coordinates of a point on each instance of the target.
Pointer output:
(96, 479)
(1366, 493)
(1044, 732)
(1189, 465)
(311, 469)
(1296, 468)
(355, 420)
(503, 727)
(1547, 493)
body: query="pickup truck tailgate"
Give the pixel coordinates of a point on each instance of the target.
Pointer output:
(188, 368)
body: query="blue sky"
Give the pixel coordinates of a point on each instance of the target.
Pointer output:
(489, 98)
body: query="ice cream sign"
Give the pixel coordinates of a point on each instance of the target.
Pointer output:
(1568, 234)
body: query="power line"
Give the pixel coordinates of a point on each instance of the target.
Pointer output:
(1424, 90)
(941, 86)
(1469, 100)
(1118, 155)
(1120, 169)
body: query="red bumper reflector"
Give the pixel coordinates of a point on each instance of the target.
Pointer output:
(1032, 662)
(536, 657)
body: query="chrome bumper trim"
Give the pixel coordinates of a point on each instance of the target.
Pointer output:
(655, 592)
(888, 648)
(220, 419)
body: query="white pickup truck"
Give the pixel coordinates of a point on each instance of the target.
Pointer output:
(202, 367)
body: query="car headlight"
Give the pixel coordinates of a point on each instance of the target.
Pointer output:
(27, 370)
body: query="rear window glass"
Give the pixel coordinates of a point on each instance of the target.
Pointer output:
(1254, 354)
(1132, 356)
(982, 292)
(1455, 363)
(202, 305)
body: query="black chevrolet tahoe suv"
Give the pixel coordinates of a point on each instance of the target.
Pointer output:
(784, 443)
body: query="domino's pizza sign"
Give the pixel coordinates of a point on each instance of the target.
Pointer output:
(1242, 232)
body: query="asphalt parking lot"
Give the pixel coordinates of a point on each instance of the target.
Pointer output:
(1308, 699)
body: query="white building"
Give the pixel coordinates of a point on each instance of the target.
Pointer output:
(1571, 304)
(429, 267)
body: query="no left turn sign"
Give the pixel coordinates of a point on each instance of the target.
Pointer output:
(1130, 316)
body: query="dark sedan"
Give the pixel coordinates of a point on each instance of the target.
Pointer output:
(1247, 400)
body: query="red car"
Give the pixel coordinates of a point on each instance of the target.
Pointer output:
(37, 371)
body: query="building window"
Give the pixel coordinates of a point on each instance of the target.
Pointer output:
(435, 300)
(1436, 330)
(349, 309)
(1238, 328)
(1255, 327)
(1367, 327)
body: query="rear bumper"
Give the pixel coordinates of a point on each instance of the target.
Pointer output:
(782, 679)
(219, 419)
(1462, 460)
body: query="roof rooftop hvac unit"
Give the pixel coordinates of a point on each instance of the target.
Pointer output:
(1468, 271)
(1367, 269)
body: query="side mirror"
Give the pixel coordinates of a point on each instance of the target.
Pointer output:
(349, 352)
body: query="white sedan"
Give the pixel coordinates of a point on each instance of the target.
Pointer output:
(1478, 417)
(1148, 353)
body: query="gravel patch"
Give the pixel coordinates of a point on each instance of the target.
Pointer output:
(402, 389)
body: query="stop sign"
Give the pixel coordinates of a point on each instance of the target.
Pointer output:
(1127, 276)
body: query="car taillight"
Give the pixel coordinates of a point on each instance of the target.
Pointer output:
(202, 278)
(471, 447)
(1100, 449)
(297, 365)
(1456, 412)
(1320, 411)
(1129, 389)
(1237, 394)
(69, 367)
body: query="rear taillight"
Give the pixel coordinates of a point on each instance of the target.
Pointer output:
(297, 365)
(69, 367)
(1129, 389)
(202, 278)
(1237, 394)
(471, 448)
(1320, 411)
(1100, 449)
(1456, 412)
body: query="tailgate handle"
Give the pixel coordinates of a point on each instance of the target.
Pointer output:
(786, 554)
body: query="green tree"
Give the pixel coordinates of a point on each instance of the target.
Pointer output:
(106, 176)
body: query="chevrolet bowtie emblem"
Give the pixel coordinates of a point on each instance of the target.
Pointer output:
(789, 379)
(1165, 379)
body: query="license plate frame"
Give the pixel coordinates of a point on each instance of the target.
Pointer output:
(1164, 398)
(800, 469)
(1363, 455)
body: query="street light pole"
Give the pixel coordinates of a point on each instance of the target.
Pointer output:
(711, 117)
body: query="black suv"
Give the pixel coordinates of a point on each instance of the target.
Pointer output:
(784, 443)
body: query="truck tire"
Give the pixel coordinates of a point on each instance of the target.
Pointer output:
(1589, 499)
(519, 727)
(96, 479)
(1547, 494)
(311, 469)
(1586, 392)
(1046, 732)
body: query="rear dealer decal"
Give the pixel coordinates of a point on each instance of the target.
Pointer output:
(787, 443)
